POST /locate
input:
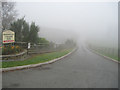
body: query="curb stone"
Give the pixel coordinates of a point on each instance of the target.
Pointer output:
(104, 56)
(36, 65)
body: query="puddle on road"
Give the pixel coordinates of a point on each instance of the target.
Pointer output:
(42, 68)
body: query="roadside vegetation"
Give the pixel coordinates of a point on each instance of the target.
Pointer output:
(40, 58)
(111, 52)
(6, 50)
(27, 38)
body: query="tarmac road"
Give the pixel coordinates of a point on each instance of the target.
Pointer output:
(82, 69)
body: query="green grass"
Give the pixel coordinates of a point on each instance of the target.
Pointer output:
(108, 55)
(113, 57)
(36, 59)
(111, 52)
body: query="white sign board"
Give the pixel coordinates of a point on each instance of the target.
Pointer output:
(8, 36)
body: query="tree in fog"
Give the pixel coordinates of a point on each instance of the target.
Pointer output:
(8, 14)
(0, 25)
(21, 29)
(43, 40)
(25, 32)
(51, 45)
(69, 43)
(33, 35)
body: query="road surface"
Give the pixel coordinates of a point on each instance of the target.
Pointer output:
(82, 69)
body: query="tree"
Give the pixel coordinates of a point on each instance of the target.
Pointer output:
(25, 32)
(8, 14)
(17, 28)
(69, 43)
(51, 45)
(43, 40)
(21, 29)
(33, 35)
(0, 25)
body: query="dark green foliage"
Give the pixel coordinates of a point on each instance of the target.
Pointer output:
(25, 32)
(17, 27)
(33, 34)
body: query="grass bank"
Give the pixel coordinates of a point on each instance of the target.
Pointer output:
(110, 56)
(111, 53)
(40, 58)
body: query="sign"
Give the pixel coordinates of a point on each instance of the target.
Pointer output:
(8, 36)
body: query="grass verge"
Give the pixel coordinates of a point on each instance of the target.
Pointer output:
(36, 59)
(110, 56)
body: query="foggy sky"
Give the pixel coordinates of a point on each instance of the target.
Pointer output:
(79, 20)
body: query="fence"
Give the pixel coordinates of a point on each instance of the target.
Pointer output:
(34, 49)
(45, 48)
(20, 55)
(107, 51)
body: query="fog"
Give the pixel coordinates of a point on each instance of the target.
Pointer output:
(83, 52)
(88, 21)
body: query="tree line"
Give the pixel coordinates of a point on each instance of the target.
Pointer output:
(24, 32)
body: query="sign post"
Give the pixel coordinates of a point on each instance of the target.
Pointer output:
(8, 36)
(28, 45)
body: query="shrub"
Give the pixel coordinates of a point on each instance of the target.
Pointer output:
(6, 50)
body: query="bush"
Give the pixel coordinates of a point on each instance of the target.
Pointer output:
(6, 50)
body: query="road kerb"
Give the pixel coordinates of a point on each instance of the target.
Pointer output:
(35, 65)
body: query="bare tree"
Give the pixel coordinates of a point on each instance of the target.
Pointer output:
(8, 14)
(0, 23)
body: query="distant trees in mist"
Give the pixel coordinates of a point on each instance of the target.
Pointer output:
(25, 32)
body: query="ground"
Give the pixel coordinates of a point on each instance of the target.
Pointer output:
(82, 69)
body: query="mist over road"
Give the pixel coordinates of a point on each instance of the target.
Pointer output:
(82, 69)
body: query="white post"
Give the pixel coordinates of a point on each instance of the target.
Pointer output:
(28, 45)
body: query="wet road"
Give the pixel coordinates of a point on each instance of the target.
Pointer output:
(82, 69)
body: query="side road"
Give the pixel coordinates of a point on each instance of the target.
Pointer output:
(36, 65)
